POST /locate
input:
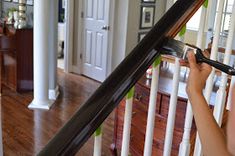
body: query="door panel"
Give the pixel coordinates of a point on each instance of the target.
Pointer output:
(95, 38)
(99, 50)
(101, 10)
(88, 41)
(89, 8)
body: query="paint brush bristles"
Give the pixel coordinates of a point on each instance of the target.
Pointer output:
(177, 48)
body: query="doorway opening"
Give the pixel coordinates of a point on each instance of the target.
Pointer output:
(61, 35)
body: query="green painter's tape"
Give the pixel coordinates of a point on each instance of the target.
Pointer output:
(130, 94)
(98, 131)
(157, 62)
(183, 31)
(206, 3)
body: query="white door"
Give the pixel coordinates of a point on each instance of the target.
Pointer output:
(95, 38)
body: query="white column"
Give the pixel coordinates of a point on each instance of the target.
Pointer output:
(98, 142)
(41, 78)
(127, 124)
(221, 93)
(151, 111)
(53, 50)
(209, 84)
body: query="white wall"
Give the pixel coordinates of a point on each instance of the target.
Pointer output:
(127, 23)
(126, 28)
(191, 38)
(120, 33)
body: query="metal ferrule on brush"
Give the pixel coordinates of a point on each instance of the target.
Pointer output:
(188, 48)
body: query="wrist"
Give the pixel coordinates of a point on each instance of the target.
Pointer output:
(195, 94)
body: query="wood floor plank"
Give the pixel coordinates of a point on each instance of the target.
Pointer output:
(26, 132)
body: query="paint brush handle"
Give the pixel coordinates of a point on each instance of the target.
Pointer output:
(223, 67)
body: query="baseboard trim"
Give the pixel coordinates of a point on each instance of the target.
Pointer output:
(54, 93)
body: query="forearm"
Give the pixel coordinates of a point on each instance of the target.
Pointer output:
(231, 125)
(211, 136)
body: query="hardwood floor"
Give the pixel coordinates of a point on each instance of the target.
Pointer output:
(26, 132)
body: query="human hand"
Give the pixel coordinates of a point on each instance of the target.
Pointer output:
(197, 76)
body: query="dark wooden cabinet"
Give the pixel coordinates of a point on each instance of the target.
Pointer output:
(139, 121)
(17, 63)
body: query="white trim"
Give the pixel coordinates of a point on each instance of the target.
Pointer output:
(68, 42)
(41, 104)
(110, 37)
(78, 68)
(54, 93)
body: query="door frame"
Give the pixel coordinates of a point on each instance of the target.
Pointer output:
(78, 68)
(68, 41)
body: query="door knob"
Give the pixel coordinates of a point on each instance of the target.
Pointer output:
(105, 27)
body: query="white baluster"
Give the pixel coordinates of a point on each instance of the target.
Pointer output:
(209, 84)
(214, 50)
(221, 94)
(151, 110)
(127, 123)
(232, 83)
(185, 144)
(172, 110)
(98, 142)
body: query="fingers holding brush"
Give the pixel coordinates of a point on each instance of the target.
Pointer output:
(192, 60)
(197, 76)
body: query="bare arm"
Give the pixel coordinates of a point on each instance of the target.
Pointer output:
(231, 126)
(212, 139)
(211, 136)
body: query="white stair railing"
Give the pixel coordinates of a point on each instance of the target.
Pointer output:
(152, 109)
(185, 144)
(213, 56)
(222, 93)
(127, 123)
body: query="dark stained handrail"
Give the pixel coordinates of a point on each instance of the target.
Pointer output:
(92, 114)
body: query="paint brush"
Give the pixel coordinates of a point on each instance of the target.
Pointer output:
(179, 49)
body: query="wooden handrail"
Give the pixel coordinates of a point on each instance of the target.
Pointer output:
(92, 114)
